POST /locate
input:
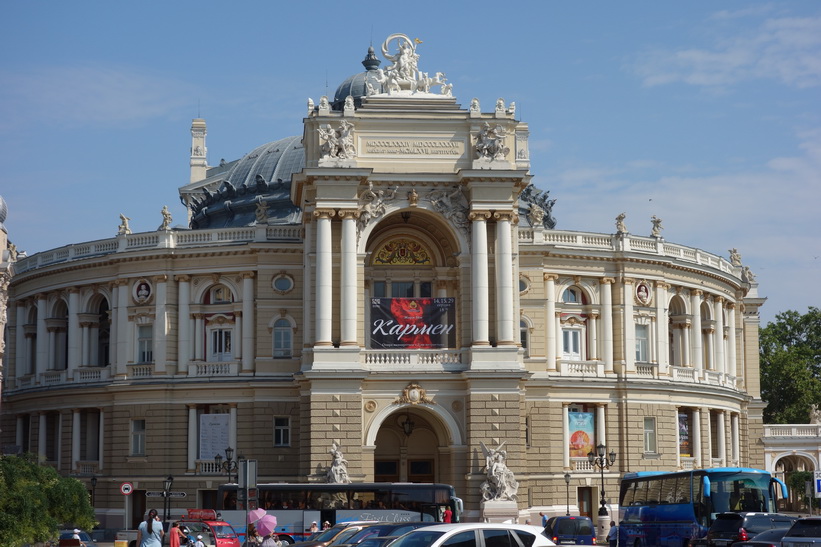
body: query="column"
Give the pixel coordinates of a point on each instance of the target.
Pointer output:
(685, 334)
(348, 300)
(192, 438)
(75, 438)
(308, 283)
(21, 353)
(709, 436)
(43, 336)
(74, 334)
(324, 281)
(41, 436)
(480, 286)
(629, 327)
(550, 319)
(101, 441)
(85, 349)
(199, 335)
(601, 429)
(504, 278)
(734, 439)
(19, 434)
(607, 321)
(566, 435)
(730, 366)
(160, 331)
(183, 322)
(52, 348)
(720, 439)
(123, 327)
(662, 334)
(248, 323)
(710, 331)
(697, 439)
(593, 335)
(698, 351)
(719, 338)
(232, 427)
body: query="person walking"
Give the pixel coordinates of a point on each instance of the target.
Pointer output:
(544, 519)
(175, 535)
(613, 534)
(150, 532)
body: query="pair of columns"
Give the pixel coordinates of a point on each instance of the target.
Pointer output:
(76, 436)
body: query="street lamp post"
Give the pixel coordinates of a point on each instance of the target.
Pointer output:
(603, 461)
(229, 465)
(93, 489)
(166, 490)
(567, 492)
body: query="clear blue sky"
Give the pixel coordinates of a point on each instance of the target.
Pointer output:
(706, 114)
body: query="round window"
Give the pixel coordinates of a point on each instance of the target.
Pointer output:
(283, 283)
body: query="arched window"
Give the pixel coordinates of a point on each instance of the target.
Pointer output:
(523, 331)
(571, 296)
(283, 339)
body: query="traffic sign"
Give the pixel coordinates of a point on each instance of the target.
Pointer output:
(161, 494)
(176, 494)
(126, 488)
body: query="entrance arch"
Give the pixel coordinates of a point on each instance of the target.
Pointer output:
(413, 443)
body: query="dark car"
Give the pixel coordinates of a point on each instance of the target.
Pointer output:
(767, 538)
(570, 530)
(730, 528)
(337, 533)
(382, 529)
(804, 532)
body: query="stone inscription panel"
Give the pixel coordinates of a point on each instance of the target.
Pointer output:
(408, 146)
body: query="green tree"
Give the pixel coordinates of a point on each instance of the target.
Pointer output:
(791, 366)
(35, 501)
(797, 482)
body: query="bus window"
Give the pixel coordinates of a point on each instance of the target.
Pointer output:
(667, 492)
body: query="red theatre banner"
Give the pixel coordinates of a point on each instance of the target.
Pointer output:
(413, 323)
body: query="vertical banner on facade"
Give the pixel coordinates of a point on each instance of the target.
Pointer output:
(213, 435)
(684, 446)
(413, 323)
(581, 427)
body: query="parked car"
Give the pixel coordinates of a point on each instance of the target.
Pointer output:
(767, 538)
(730, 528)
(571, 530)
(381, 529)
(474, 534)
(335, 534)
(85, 538)
(804, 532)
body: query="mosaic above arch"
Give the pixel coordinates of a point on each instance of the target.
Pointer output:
(402, 251)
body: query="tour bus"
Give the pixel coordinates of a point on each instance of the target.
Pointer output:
(674, 509)
(296, 506)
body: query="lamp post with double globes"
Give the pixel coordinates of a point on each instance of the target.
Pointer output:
(567, 492)
(166, 490)
(603, 461)
(229, 465)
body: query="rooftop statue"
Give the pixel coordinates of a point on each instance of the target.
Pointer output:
(403, 76)
(123, 228)
(657, 227)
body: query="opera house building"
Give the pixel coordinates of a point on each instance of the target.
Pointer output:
(390, 281)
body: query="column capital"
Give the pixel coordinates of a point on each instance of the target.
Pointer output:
(628, 280)
(248, 275)
(120, 283)
(730, 305)
(551, 277)
(719, 299)
(696, 292)
(182, 278)
(162, 278)
(73, 290)
(478, 215)
(324, 213)
(505, 215)
(607, 281)
(663, 285)
(565, 405)
(352, 214)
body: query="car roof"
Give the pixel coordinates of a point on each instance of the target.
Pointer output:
(479, 525)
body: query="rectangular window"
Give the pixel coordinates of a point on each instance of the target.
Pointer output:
(650, 445)
(425, 289)
(145, 344)
(138, 437)
(402, 289)
(572, 344)
(642, 344)
(282, 431)
(380, 289)
(221, 344)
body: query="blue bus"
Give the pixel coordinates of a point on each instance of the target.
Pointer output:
(659, 509)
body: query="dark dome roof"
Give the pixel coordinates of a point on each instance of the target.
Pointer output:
(356, 86)
(261, 176)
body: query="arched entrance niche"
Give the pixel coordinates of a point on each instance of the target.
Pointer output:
(421, 453)
(787, 464)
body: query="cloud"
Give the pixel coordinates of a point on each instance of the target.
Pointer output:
(88, 95)
(784, 49)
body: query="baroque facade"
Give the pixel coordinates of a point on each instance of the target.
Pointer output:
(390, 281)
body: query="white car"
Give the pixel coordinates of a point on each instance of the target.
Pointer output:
(475, 534)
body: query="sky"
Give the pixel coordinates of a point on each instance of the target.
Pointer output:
(706, 114)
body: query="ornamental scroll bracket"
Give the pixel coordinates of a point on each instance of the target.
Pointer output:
(414, 394)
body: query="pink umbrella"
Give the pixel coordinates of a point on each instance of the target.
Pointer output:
(255, 515)
(266, 524)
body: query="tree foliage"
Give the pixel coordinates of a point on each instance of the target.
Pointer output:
(791, 366)
(35, 501)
